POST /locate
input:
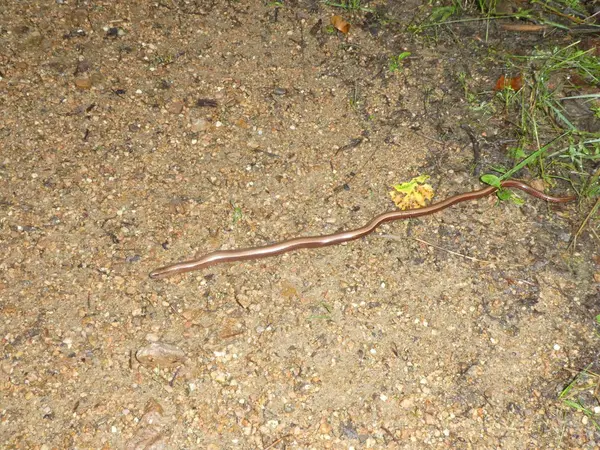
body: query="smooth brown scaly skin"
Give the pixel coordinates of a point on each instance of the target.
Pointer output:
(224, 256)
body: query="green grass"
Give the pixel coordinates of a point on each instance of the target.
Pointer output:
(551, 143)
(395, 63)
(559, 14)
(237, 214)
(554, 145)
(348, 5)
(581, 395)
(540, 111)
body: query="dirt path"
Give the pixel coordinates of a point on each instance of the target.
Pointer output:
(134, 134)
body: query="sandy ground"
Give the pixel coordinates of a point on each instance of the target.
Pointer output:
(134, 134)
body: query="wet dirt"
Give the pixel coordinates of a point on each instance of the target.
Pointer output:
(135, 134)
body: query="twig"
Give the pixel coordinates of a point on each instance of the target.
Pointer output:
(237, 300)
(429, 138)
(274, 443)
(391, 435)
(399, 238)
(174, 376)
(476, 151)
(584, 223)
(595, 234)
(527, 27)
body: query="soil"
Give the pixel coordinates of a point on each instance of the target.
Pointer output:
(135, 134)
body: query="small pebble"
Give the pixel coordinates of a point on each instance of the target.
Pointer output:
(349, 430)
(175, 107)
(199, 125)
(325, 428)
(160, 354)
(83, 83)
(407, 403)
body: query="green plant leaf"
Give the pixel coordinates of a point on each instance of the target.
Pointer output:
(575, 405)
(237, 214)
(492, 180)
(504, 194)
(411, 185)
(517, 153)
(516, 199)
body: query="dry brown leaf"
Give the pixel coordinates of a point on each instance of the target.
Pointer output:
(515, 83)
(339, 23)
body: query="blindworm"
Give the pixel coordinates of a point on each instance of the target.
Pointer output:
(224, 256)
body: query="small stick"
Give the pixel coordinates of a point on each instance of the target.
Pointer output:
(584, 223)
(274, 443)
(476, 151)
(429, 138)
(399, 238)
(527, 27)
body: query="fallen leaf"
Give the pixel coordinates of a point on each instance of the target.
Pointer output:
(515, 83)
(340, 24)
(412, 194)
